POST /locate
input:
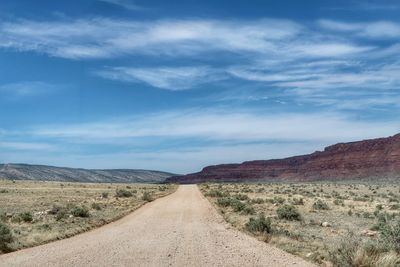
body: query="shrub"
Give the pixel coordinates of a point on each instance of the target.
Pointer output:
(249, 210)
(104, 195)
(298, 201)
(344, 251)
(60, 212)
(257, 201)
(288, 212)
(241, 197)
(237, 205)
(216, 193)
(279, 200)
(352, 251)
(123, 193)
(259, 225)
(390, 233)
(320, 205)
(5, 237)
(80, 211)
(96, 206)
(147, 197)
(26, 216)
(224, 201)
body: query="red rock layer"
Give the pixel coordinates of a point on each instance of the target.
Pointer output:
(375, 158)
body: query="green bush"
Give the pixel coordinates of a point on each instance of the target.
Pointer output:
(147, 197)
(224, 201)
(123, 193)
(216, 193)
(60, 212)
(288, 212)
(343, 253)
(351, 251)
(257, 201)
(279, 200)
(390, 233)
(259, 225)
(241, 196)
(5, 238)
(248, 210)
(26, 216)
(80, 211)
(96, 206)
(298, 201)
(237, 205)
(320, 205)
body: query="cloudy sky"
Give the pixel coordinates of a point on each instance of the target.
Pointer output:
(177, 85)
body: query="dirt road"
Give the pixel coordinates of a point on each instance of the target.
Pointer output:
(182, 229)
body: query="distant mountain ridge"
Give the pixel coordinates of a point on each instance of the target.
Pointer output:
(368, 159)
(51, 173)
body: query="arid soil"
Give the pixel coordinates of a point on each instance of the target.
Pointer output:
(182, 229)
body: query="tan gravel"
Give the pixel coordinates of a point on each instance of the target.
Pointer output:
(181, 229)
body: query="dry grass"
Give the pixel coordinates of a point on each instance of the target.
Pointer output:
(40, 212)
(310, 220)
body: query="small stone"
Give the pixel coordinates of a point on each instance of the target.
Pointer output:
(326, 224)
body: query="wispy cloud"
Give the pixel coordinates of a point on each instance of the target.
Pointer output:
(224, 125)
(170, 78)
(124, 4)
(24, 89)
(379, 29)
(26, 146)
(101, 38)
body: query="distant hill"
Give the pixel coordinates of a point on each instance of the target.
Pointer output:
(377, 159)
(50, 173)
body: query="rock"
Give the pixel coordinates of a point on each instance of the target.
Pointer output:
(325, 224)
(375, 158)
(368, 232)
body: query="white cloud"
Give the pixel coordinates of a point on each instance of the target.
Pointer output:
(170, 78)
(23, 89)
(378, 29)
(224, 125)
(26, 146)
(124, 4)
(100, 37)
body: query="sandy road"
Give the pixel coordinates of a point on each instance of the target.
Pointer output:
(182, 229)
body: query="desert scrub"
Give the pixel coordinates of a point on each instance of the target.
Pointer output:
(51, 206)
(288, 212)
(259, 224)
(80, 211)
(216, 193)
(26, 216)
(390, 234)
(320, 205)
(123, 193)
(96, 206)
(352, 207)
(147, 197)
(351, 251)
(5, 238)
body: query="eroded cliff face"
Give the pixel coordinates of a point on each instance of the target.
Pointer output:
(368, 159)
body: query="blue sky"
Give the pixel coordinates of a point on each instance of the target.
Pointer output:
(178, 85)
